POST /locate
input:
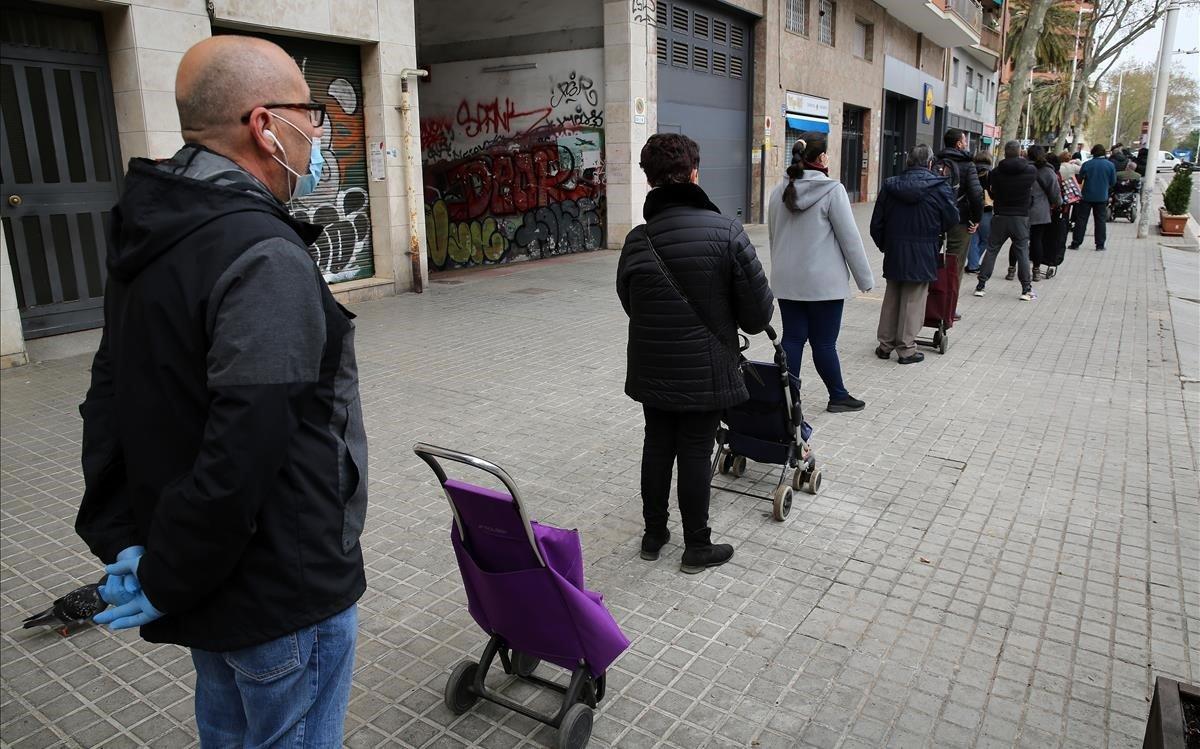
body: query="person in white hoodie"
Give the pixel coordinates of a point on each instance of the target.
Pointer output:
(815, 248)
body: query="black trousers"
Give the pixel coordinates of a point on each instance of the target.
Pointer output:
(1039, 235)
(686, 438)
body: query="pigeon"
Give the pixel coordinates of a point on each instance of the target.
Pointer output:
(80, 605)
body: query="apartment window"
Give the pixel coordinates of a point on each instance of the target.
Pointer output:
(864, 39)
(796, 19)
(970, 75)
(955, 66)
(827, 31)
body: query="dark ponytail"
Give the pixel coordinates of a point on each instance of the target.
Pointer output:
(806, 150)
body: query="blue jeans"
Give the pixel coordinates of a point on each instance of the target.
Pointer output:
(289, 692)
(819, 322)
(979, 241)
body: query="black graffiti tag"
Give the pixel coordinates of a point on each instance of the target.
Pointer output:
(572, 89)
(643, 12)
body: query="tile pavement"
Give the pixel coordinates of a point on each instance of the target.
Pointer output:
(1005, 552)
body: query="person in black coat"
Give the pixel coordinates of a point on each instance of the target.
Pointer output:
(969, 198)
(1011, 188)
(688, 279)
(912, 212)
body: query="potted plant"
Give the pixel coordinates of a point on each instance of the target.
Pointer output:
(1174, 716)
(1172, 217)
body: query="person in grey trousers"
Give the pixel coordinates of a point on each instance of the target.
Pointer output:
(1012, 196)
(913, 211)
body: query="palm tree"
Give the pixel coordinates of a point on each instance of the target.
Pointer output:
(1056, 44)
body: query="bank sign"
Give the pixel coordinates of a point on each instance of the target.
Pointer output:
(807, 106)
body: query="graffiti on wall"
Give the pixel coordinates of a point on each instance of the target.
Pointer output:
(339, 204)
(515, 175)
(643, 12)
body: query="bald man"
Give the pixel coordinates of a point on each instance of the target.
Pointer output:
(224, 453)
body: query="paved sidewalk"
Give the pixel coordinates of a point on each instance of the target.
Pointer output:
(1005, 552)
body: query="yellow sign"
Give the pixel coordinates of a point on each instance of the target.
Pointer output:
(928, 114)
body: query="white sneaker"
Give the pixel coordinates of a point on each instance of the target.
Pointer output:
(979, 292)
(1029, 296)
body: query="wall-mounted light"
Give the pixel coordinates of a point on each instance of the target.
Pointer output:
(507, 68)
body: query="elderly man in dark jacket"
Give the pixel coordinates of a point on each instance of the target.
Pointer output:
(913, 210)
(1012, 192)
(688, 279)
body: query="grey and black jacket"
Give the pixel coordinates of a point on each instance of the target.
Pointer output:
(675, 363)
(222, 429)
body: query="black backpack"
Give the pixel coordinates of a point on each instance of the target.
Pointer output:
(949, 169)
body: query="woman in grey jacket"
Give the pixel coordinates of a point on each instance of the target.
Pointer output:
(814, 240)
(1046, 196)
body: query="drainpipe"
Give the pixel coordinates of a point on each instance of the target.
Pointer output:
(411, 177)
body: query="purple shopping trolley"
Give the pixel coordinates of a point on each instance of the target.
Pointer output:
(524, 584)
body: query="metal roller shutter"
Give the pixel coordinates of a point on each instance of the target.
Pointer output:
(340, 203)
(705, 55)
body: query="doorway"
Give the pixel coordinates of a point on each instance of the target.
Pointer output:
(852, 151)
(899, 113)
(60, 162)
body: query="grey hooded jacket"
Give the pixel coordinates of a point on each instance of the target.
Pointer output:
(815, 248)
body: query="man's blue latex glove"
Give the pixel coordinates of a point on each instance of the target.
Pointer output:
(136, 612)
(121, 589)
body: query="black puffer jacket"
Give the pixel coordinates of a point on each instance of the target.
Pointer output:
(1011, 182)
(969, 199)
(675, 363)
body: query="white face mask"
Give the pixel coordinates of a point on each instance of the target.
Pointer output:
(305, 183)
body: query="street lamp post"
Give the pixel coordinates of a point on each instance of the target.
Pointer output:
(1029, 102)
(1117, 115)
(1156, 117)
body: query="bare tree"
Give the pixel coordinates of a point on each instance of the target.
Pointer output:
(1112, 26)
(1023, 54)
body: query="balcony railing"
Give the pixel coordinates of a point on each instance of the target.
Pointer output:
(970, 11)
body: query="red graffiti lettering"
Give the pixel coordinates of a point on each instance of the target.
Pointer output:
(496, 118)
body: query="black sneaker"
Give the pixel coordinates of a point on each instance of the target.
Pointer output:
(1012, 273)
(846, 405)
(699, 558)
(1099, 249)
(651, 543)
(917, 357)
(1072, 247)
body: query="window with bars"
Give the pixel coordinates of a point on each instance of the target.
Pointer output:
(955, 67)
(737, 37)
(864, 39)
(827, 26)
(660, 14)
(700, 59)
(662, 50)
(796, 17)
(679, 20)
(735, 67)
(700, 25)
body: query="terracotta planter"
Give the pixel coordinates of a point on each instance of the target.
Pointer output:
(1171, 226)
(1174, 721)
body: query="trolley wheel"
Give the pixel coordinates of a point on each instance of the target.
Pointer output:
(458, 695)
(781, 503)
(814, 482)
(576, 728)
(943, 342)
(800, 476)
(723, 460)
(523, 664)
(738, 466)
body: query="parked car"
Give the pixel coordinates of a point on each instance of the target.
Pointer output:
(1169, 162)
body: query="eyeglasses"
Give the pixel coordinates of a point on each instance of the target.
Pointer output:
(315, 109)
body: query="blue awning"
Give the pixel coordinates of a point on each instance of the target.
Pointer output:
(804, 123)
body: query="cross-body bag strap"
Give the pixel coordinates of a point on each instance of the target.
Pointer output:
(662, 266)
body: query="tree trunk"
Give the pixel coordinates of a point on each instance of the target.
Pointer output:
(1073, 117)
(1024, 53)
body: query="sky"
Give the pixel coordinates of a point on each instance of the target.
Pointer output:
(1187, 37)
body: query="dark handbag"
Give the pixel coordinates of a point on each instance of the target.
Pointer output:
(736, 351)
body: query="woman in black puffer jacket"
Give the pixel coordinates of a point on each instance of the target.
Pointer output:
(688, 279)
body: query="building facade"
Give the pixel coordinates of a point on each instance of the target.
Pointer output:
(522, 142)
